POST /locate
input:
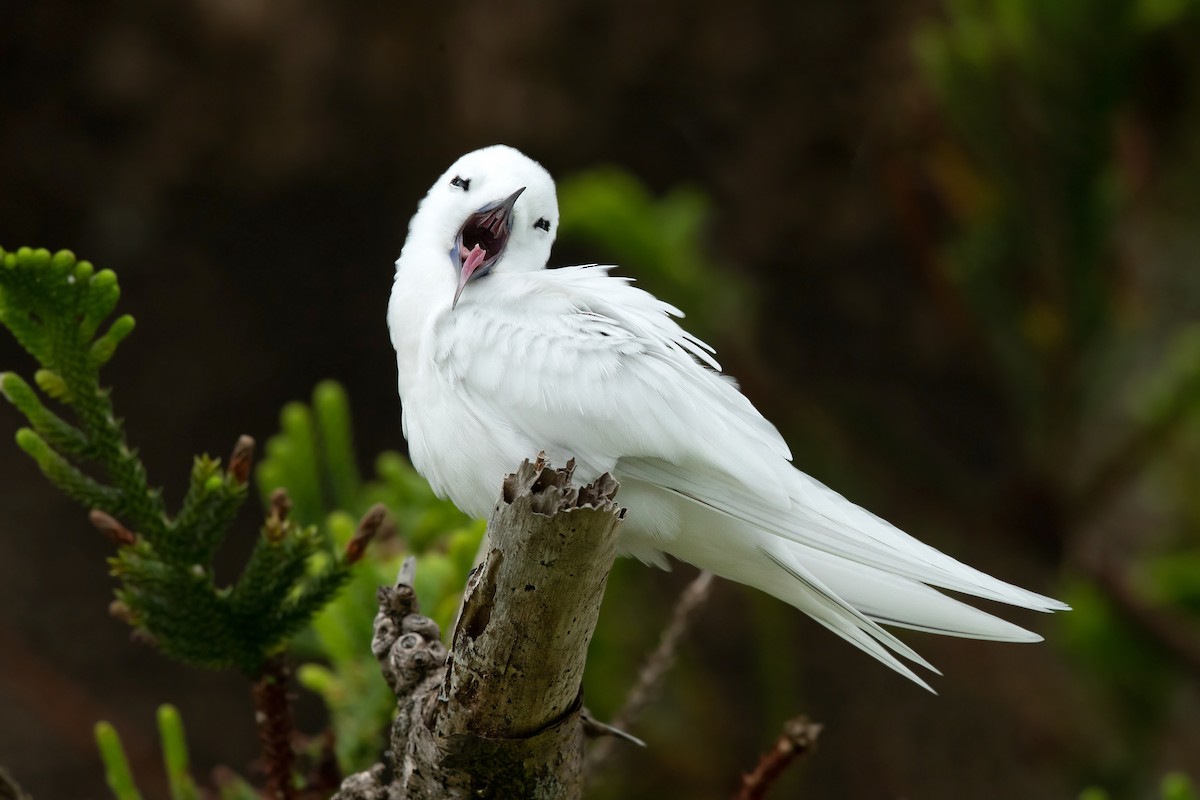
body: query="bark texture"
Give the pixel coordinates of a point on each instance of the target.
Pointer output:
(500, 715)
(273, 714)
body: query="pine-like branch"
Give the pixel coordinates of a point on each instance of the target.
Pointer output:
(55, 306)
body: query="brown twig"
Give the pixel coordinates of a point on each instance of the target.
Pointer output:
(368, 527)
(655, 666)
(798, 738)
(1123, 465)
(9, 790)
(273, 713)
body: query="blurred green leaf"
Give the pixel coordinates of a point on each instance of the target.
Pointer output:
(175, 760)
(1173, 580)
(1171, 394)
(313, 457)
(116, 765)
(1116, 653)
(234, 787)
(1174, 786)
(1177, 786)
(1033, 92)
(1158, 13)
(175, 754)
(663, 241)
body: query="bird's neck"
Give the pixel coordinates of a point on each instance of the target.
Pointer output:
(421, 294)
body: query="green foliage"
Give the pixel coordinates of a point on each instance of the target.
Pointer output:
(175, 755)
(313, 457)
(1037, 95)
(1117, 655)
(1039, 85)
(54, 305)
(116, 765)
(1036, 84)
(1172, 580)
(1034, 91)
(1177, 786)
(1132, 662)
(1174, 786)
(231, 786)
(175, 760)
(661, 240)
(1169, 397)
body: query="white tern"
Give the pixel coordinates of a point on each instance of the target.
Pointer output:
(500, 358)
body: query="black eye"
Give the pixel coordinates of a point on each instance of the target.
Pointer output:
(462, 183)
(542, 223)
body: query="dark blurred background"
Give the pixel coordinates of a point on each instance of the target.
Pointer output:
(962, 236)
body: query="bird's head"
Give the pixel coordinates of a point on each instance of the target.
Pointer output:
(494, 209)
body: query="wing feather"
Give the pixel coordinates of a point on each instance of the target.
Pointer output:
(605, 371)
(886, 548)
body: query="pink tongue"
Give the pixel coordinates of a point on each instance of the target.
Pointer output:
(474, 259)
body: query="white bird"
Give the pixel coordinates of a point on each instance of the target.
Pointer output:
(500, 358)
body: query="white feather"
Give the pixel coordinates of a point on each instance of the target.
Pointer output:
(583, 365)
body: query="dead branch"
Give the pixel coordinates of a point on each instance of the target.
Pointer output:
(9, 790)
(655, 666)
(501, 714)
(798, 738)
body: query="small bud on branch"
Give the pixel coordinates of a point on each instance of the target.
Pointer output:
(368, 527)
(114, 531)
(241, 460)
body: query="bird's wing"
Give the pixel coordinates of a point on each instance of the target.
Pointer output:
(597, 369)
(823, 520)
(579, 360)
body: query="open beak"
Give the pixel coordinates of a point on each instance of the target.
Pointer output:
(480, 241)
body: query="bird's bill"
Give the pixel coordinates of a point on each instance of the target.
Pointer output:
(470, 266)
(481, 240)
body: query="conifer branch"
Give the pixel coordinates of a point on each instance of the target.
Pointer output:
(56, 306)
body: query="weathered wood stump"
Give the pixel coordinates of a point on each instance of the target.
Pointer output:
(500, 715)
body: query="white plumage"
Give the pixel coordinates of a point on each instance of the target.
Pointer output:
(500, 358)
